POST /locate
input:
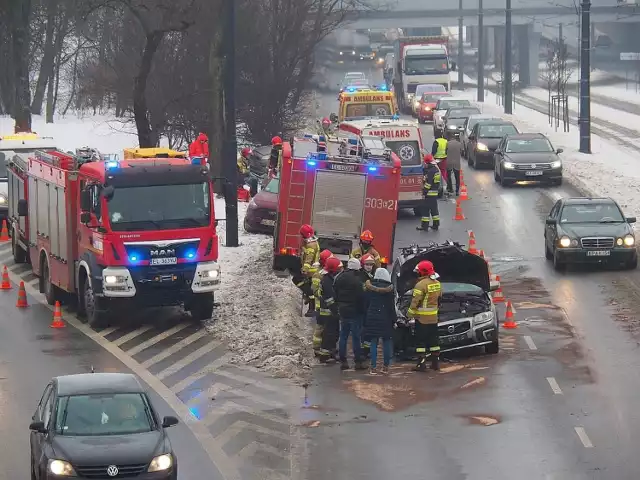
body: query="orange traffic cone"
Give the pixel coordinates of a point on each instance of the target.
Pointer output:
(22, 297)
(498, 295)
(509, 322)
(462, 184)
(471, 234)
(481, 255)
(4, 233)
(464, 195)
(472, 246)
(57, 317)
(6, 284)
(459, 214)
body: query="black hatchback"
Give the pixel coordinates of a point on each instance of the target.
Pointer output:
(100, 425)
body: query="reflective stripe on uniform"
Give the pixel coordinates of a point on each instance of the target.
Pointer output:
(417, 291)
(434, 349)
(425, 219)
(300, 284)
(432, 193)
(437, 217)
(325, 312)
(330, 301)
(434, 287)
(421, 350)
(427, 311)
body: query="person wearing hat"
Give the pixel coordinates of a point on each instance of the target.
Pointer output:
(380, 317)
(430, 190)
(329, 310)
(424, 312)
(349, 295)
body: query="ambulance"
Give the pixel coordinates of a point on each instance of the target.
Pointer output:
(405, 140)
(358, 103)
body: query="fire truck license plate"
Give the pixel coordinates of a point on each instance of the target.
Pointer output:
(164, 261)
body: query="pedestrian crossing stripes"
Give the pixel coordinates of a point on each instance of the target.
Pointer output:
(245, 411)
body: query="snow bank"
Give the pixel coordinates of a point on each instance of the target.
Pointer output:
(259, 316)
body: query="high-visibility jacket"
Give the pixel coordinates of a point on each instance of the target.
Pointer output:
(441, 151)
(310, 257)
(328, 306)
(431, 180)
(425, 301)
(315, 286)
(359, 252)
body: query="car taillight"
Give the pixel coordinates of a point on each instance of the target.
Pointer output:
(289, 251)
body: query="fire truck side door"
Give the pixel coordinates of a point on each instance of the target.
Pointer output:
(86, 230)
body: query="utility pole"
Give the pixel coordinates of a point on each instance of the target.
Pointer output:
(560, 60)
(480, 52)
(584, 120)
(460, 48)
(230, 146)
(508, 64)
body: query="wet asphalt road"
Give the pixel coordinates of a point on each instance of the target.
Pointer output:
(31, 353)
(558, 402)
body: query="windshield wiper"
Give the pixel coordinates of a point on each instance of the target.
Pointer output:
(610, 221)
(64, 417)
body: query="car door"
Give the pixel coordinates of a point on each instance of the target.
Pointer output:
(42, 414)
(473, 140)
(498, 157)
(551, 231)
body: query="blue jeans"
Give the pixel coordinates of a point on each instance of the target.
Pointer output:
(353, 327)
(387, 351)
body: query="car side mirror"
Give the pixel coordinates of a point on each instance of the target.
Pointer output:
(169, 421)
(85, 218)
(23, 208)
(631, 219)
(454, 66)
(108, 191)
(37, 427)
(560, 150)
(550, 221)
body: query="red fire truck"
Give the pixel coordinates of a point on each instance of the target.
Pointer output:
(118, 235)
(340, 195)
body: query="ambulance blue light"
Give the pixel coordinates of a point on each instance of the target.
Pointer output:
(112, 165)
(373, 169)
(351, 89)
(311, 163)
(383, 88)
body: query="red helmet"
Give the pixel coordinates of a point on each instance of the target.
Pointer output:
(306, 231)
(246, 151)
(276, 140)
(425, 268)
(324, 256)
(428, 158)
(326, 121)
(333, 265)
(366, 236)
(367, 258)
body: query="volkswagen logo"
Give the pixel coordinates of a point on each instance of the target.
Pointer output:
(451, 328)
(533, 166)
(112, 470)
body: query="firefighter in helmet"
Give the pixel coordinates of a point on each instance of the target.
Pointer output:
(243, 165)
(316, 281)
(275, 158)
(329, 311)
(326, 126)
(366, 246)
(368, 263)
(309, 261)
(430, 189)
(424, 312)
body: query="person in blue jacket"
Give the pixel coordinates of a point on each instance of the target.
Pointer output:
(380, 317)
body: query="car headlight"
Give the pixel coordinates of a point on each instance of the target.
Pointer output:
(556, 164)
(61, 468)
(508, 165)
(451, 127)
(161, 463)
(115, 279)
(416, 104)
(629, 241)
(427, 108)
(3, 200)
(481, 147)
(484, 317)
(565, 242)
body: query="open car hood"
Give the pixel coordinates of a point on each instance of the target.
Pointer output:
(451, 261)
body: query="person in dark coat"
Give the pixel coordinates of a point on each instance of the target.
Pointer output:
(380, 317)
(349, 295)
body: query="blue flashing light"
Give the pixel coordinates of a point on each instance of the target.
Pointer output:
(190, 254)
(111, 165)
(133, 258)
(322, 138)
(351, 89)
(311, 163)
(383, 88)
(373, 169)
(353, 141)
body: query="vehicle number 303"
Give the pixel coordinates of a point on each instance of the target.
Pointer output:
(381, 204)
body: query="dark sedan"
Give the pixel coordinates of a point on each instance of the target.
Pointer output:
(455, 118)
(261, 213)
(484, 140)
(589, 230)
(527, 157)
(100, 425)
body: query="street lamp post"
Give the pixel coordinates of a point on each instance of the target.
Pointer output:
(584, 119)
(460, 48)
(480, 52)
(508, 64)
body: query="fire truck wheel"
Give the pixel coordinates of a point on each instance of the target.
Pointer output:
(19, 255)
(46, 287)
(201, 307)
(89, 308)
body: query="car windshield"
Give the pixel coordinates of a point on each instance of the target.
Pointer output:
(466, 288)
(591, 213)
(160, 207)
(529, 145)
(461, 113)
(496, 131)
(408, 151)
(104, 414)
(419, 65)
(448, 104)
(434, 97)
(368, 110)
(273, 186)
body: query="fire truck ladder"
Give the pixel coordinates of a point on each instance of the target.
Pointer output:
(58, 159)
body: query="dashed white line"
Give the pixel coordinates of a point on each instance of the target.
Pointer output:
(176, 347)
(554, 385)
(158, 338)
(584, 438)
(529, 342)
(130, 336)
(180, 364)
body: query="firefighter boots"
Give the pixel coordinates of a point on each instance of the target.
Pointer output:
(421, 366)
(312, 310)
(423, 227)
(435, 362)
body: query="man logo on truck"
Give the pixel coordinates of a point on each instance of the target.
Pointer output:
(168, 252)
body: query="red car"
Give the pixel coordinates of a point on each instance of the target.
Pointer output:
(427, 104)
(261, 213)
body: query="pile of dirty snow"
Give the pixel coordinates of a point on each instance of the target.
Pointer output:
(259, 315)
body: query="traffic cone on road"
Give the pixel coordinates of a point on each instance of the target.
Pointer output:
(57, 317)
(22, 297)
(481, 255)
(472, 246)
(509, 321)
(498, 295)
(4, 233)
(459, 215)
(462, 184)
(6, 284)
(464, 195)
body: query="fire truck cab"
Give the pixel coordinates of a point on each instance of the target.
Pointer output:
(118, 235)
(340, 196)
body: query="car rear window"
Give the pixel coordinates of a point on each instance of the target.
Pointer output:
(447, 104)
(496, 131)
(434, 97)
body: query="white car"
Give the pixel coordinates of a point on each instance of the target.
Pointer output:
(442, 106)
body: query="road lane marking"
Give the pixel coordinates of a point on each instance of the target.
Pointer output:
(108, 331)
(584, 438)
(530, 344)
(211, 368)
(130, 336)
(179, 365)
(158, 338)
(176, 347)
(554, 385)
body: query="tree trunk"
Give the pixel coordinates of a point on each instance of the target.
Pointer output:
(54, 79)
(146, 137)
(216, 129)
(48, 57)
(50, 99)
(21, 10)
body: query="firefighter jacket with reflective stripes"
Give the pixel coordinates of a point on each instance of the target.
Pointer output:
(310, 256)
(243, 165)
(359, 252)
(315, 286)
(431, 180)
(439, 148)
(425, 301)
(328, 305)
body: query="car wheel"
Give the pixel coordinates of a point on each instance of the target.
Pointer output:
(496, 177)
(48, 288)
(201, 307)
(472, 162)
(557, 182)
(547, 253)
(96, 318)
(33, 470)
(493, 348)
(503, 181)
(631, 264)
(558, 264)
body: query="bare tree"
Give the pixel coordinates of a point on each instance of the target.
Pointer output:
(20, 16)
